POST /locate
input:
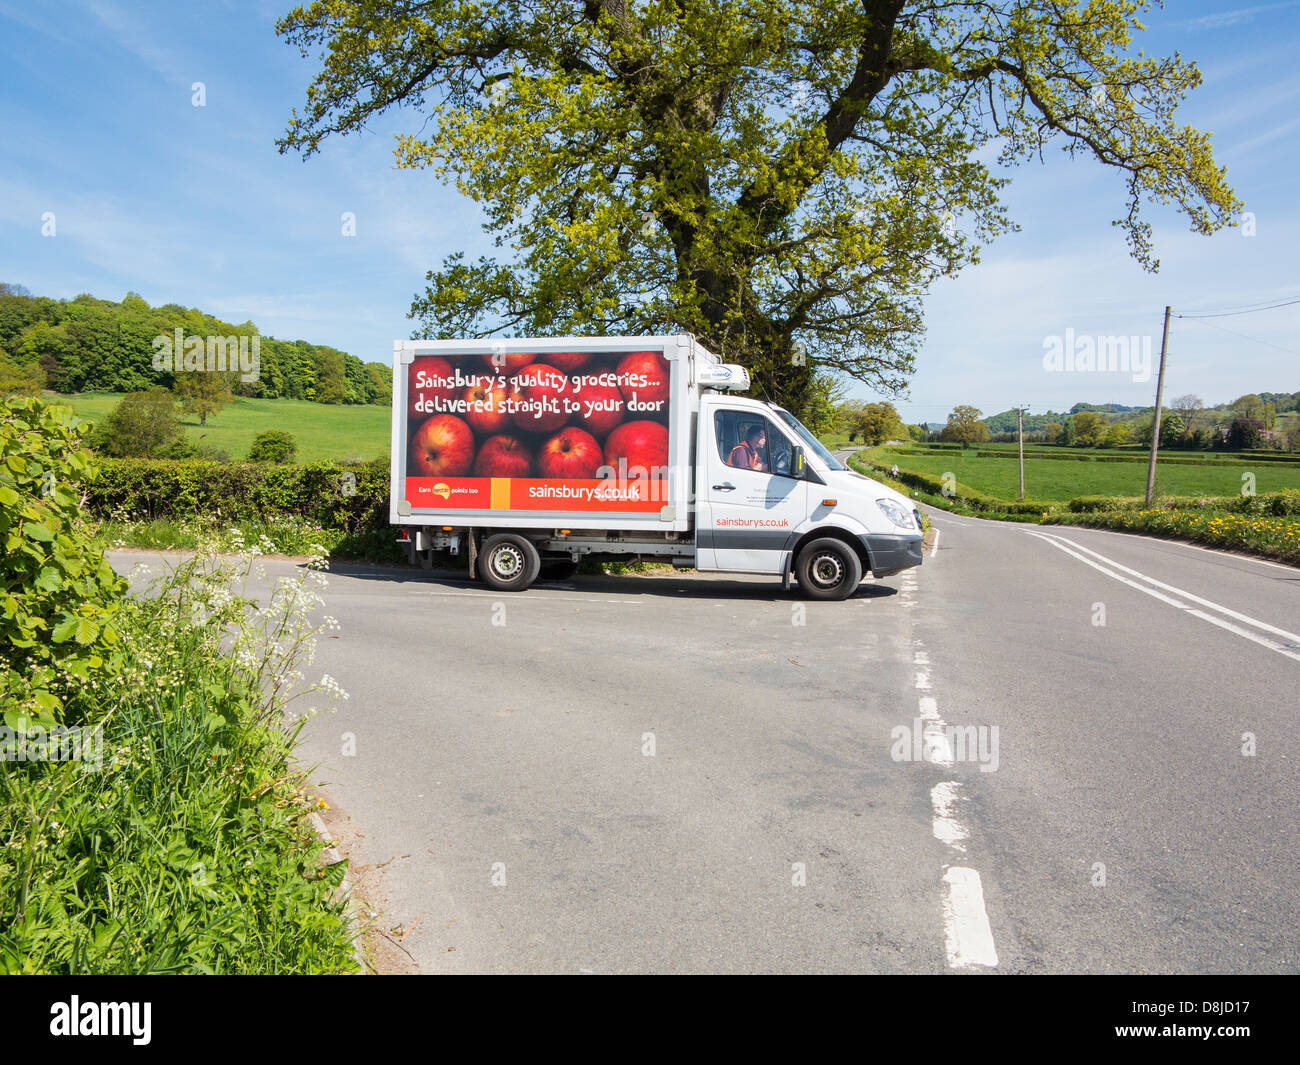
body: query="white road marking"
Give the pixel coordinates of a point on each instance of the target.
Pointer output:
(968, 938)
(1194, 547)
(966, 923)
(947, 829)
(1291, 636)
(934, 551)
(935, 745)
(1061, 544)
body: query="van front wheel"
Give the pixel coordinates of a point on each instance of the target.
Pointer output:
(508, 562)
(828, 569)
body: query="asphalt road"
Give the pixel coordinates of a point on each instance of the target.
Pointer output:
(688, 773)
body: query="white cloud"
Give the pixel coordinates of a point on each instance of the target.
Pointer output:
(1222, 19)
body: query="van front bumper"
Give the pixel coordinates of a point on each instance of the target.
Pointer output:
(889, 553)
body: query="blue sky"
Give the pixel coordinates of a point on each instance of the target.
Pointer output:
(194, 205)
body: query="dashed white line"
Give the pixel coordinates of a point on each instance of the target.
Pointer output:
(947, 828)
(969, 939)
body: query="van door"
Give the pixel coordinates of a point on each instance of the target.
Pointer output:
(749, 505)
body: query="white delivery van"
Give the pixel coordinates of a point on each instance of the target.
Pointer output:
(533, 455)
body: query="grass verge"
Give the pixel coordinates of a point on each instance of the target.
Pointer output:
(1267, 526)
(179, 841)
(1268, 537)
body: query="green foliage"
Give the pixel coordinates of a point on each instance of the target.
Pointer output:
(20, 379)
(1243, 433)
(1087, 429)
(1249, 406)
(1173, 430)
(1269, 537)
(202, 392)
(181, 843)
(94, 345)
(331, 379)
(1092, 504)
(964, 427)
(822, 414)
(348, 498)
(144, 424)
(762, 173)
(59, 597)
(873, 423)
(274, 445)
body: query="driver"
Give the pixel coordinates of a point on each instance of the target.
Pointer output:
(748, 455)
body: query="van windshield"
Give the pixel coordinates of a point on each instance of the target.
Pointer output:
(811, 441)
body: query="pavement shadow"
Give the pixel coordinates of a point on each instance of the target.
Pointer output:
(668, 586)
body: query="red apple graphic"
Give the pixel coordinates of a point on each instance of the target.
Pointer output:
(572, 452)
(607, 400)
(568, 361)
(484, 405)
(538, 383)
(641, 444)
(422, 394)
(443, 447)
(503, 456)
(649, 380)
(501, 363)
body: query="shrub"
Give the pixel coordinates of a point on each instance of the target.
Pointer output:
(274, 446)
(1285, 502)
(351, 499)
(59, 596)
(1093, 504)
(141, 426)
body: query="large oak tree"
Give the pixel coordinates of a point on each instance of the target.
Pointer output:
(784, 179)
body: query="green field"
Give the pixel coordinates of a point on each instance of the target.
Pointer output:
(1061, 479)
(322, 431)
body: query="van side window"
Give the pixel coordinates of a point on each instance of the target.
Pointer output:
(743, 440)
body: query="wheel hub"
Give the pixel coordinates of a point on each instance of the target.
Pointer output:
(827, 570)
(507, 561)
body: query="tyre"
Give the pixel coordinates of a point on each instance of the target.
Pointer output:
(508, 562)
(560, 570)
(828, 569)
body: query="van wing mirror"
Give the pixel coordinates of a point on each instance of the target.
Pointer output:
(798, 465)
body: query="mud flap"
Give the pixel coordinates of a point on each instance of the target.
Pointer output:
(473, 554)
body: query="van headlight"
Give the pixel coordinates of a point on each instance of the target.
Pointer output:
(895, 513)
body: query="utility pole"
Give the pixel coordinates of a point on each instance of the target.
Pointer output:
(1155, 423)
(1020, 421)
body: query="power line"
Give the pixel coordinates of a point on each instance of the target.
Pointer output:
(1242, 310)
(1243, 336)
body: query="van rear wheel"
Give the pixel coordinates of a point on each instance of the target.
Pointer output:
(508, 562)
(828, 569)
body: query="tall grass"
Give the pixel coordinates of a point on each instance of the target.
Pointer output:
(188, 849)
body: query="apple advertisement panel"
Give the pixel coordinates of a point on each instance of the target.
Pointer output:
(571, 431)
